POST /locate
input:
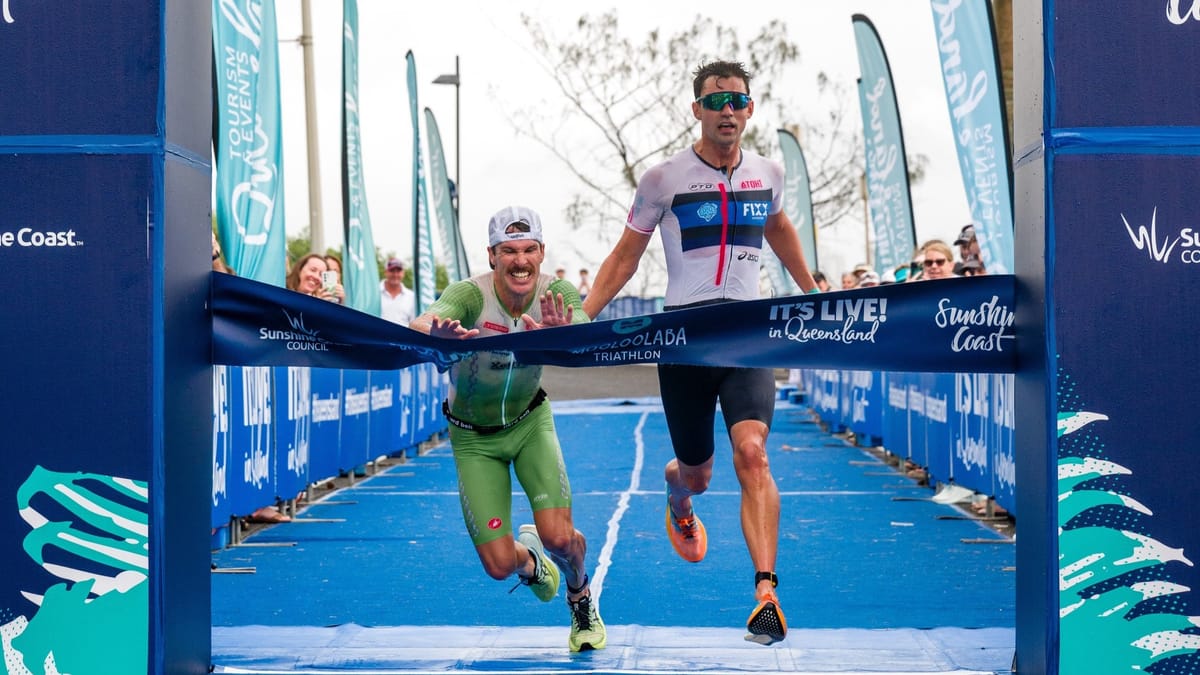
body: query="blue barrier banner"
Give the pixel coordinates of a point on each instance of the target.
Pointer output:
(326, 386)
(938, 389)
(1002, 444)
(953, 325)
(293, 429)
(354, 446)
(222, 448)
(845, 414)
(971, 429)
(825, 392)
(429, 402)
(406, 404)
(385, 422)
(896, 437)
(251, 479)
(918, 436)
(866, 411)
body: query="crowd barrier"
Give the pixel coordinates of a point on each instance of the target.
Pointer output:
(629, 305)
(279, 430)
(958, 427)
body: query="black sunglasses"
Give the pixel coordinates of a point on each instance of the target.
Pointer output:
(720, 99)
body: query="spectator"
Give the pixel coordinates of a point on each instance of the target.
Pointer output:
(849, 281)
(822, 282)
(218, 259)
(937, 260)
(397, 302)
(306, 277)
(868, 279)
(560, 273)
(973, 267)
(334, 263)
(859, 270)
(902, 273)
(499, 424)
(916, 268)
(585, 284)
(968, 245)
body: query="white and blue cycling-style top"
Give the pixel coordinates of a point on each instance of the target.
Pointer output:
(712, 223)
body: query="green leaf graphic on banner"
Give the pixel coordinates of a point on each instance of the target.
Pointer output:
(91, 531)
(1114, 583)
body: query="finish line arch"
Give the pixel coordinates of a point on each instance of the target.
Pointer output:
(104, 163)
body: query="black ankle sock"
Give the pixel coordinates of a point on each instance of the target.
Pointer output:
(582, 586)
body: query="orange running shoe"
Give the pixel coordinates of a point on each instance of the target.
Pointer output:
(766, 623)
(687, 535)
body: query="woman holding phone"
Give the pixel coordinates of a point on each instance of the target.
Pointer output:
(311, 275)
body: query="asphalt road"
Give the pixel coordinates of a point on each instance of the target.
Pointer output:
(634, 381)
(569, 384)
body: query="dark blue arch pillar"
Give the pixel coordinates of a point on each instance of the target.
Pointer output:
(105, 398)
(1107, 159)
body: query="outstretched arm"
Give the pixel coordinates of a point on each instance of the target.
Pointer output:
(616, 270)
(781, 235)
(459, 302)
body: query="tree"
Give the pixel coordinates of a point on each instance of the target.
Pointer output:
(626, 106)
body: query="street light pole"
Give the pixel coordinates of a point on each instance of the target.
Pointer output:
(454, 80)
(316, 228)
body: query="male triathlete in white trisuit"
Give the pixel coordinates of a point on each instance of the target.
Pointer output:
(714, 203)
(497, 419)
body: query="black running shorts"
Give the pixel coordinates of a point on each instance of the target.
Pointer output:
(690, 395)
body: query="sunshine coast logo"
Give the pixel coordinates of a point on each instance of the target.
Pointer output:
(1179, 13)
(1161, 248)
(982, 328)
(299, 338)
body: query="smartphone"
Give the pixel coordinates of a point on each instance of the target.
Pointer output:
(329, 280)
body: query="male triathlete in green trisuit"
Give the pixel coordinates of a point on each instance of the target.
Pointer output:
(497, 418)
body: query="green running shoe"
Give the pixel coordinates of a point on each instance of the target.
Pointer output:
(587, 630)
(544, 582)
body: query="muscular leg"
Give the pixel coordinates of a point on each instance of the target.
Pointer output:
(564, 544)
(504, 556)
(683, 481)
(760, 496)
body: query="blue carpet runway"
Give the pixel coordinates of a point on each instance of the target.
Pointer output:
(385, 580)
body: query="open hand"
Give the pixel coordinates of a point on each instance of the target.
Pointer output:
(450, 328)
(555, 312)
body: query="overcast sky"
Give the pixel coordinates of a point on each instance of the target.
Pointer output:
(496, 64)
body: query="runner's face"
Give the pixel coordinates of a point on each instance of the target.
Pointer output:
(517, 265)
(722, 127)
